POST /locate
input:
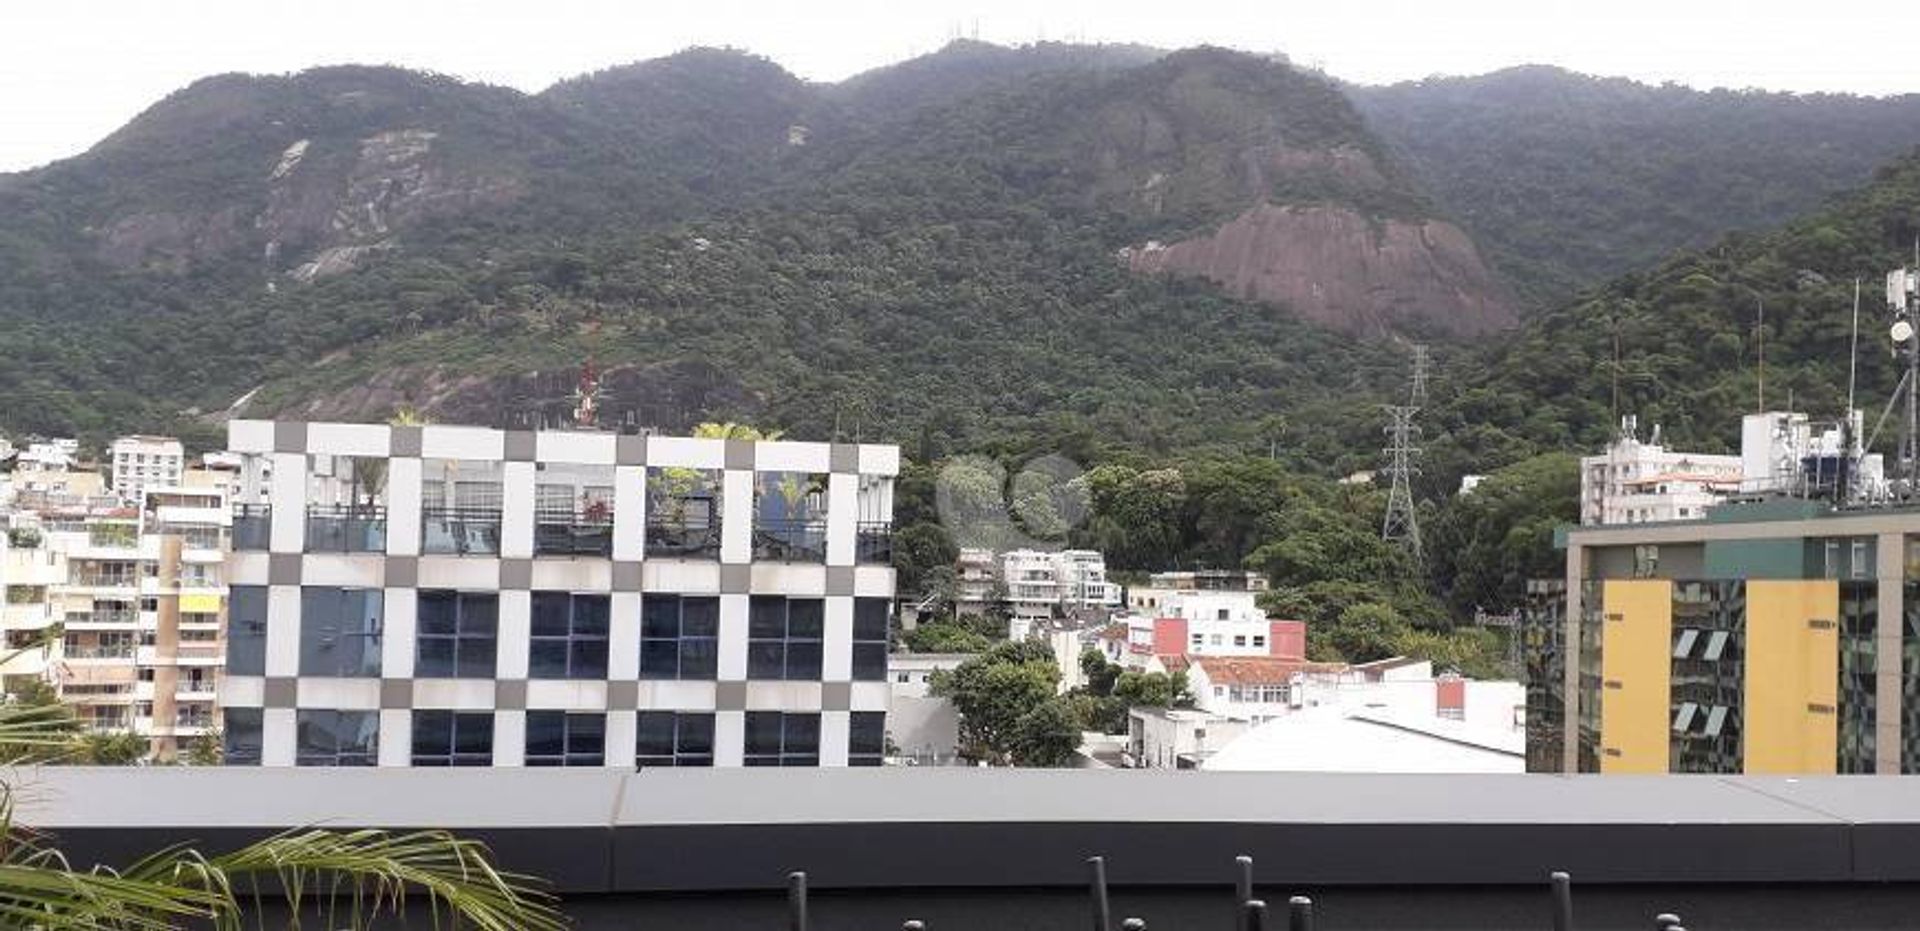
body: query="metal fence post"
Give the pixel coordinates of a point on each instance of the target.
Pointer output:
(1299, 913)
(1097, 877)
(797, 900)
(1562, 901)
(1253, 915)
(1243, 887)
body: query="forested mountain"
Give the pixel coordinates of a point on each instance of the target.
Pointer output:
(1568, 180)
(976, 248)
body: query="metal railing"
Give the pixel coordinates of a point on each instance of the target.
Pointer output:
(790, 540)
(1250, 912)
(343, 528)
(684, 539)
(873, 542)
(115, 651)
(458, 531)
(568, 535)
(252, 527)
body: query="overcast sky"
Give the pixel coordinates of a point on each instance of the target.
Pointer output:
(72, 71)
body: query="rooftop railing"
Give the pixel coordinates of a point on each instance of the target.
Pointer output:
(790, 540)
(460, 531)
(343, 528)
(252, 527)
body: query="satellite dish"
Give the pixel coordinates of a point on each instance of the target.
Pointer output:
(1901, 331)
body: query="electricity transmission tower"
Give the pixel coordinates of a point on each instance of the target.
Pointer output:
(1402, 525)
(1418, 395)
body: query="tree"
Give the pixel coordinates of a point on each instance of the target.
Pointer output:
(967, 634)
(1152, 689)
(994, 693)
(1368, 632)
(1046, 736)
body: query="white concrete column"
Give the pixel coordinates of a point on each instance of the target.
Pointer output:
(729, 738)
(277, 737)
(836, 664)
(403, 507)
(732, 642)
(283, 631)
(622, 729)
(396, 737)
(509, 738)
(843, 516)
(835, 734)
(736, 516)
(515, 629)
(398, 625)
(288, 497)
(623, 636)
(516, 514)
(629, 513)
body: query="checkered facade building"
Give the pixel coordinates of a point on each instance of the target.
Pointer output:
(278, 710)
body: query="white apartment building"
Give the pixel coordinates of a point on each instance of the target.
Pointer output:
(1636, 483)
(141, 606)
(136, 463)
(1045, 584)
(445, 595)
(30, 573)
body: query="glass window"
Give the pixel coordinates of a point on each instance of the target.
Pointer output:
(776, 738)
(784, 638)
(340, 631)
(456, 635)
(674, 738)
(870, 622)
(453, 738)
(679, 637)
(247, 630)
(564, 738)
(866, 738)
(569, 636)
(336, 738)
(241, 736)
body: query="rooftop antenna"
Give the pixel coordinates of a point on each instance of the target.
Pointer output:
(1760, 355)
(1853, 349)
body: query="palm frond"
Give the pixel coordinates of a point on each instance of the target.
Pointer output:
(374, 871)
(43, 894)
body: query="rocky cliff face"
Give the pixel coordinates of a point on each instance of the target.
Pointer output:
(1300, 205)
(1342, 269)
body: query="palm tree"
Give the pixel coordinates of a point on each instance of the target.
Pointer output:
(343, 878)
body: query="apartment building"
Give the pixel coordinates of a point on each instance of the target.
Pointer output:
(136, 463)
(30, 572)
(445, 595)
(976, 573)
(1769, 637)
(1637, 482)
(1044, 584)
(141, 604)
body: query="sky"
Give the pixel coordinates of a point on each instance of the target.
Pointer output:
(72, 71)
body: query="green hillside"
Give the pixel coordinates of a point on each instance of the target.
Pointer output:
(1568, 180)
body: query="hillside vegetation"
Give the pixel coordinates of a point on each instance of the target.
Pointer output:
(1568, 180)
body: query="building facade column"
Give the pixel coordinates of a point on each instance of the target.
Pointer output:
(1570, 661)
(1891, 573)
